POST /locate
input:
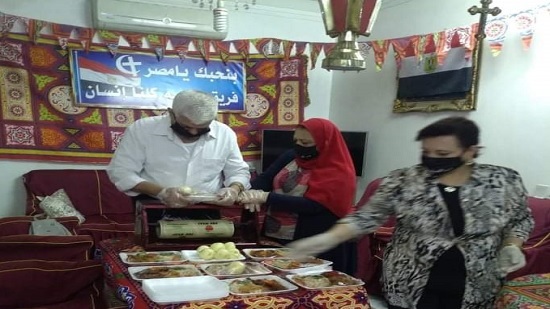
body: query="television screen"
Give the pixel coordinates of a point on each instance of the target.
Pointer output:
(276, 142)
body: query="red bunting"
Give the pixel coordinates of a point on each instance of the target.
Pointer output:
(287, 48)
(223, 48)
(203, 47)
(300, 47)
(262, 46)
(243, 48)
(314, 53)
(380, 48)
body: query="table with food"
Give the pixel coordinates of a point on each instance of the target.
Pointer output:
(220, 275)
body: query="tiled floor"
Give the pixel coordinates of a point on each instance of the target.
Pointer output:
(377, 302)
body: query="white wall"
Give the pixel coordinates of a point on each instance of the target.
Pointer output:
(263, 23)
(513, 104)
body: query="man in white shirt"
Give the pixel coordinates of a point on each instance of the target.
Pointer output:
(185, 147)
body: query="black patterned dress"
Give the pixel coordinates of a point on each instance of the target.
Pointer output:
(494, 206)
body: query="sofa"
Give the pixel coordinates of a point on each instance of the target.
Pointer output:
(371, 247)
(54, 272)
(108, 212)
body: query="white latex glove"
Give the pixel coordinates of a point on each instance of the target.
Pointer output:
(510, 258)
(312, 246)
(253, 207)
(227, 196)
(173, 197)
(253, 197)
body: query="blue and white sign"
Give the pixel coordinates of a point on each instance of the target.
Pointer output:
(142, 81)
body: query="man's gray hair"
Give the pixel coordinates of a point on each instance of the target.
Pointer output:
(199, 107)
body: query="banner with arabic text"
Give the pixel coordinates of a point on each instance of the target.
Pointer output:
(141, 80)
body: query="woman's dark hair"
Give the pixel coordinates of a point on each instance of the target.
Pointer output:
(465, 130)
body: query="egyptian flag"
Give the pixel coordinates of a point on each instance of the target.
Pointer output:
(98, 72)
(423, 79)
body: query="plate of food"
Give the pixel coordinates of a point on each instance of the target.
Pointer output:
(259, 285)
(160, 272)
(234, 269)
(295, 266)
(266, 253)
(216, 252)
(324, 280)
(136, 258)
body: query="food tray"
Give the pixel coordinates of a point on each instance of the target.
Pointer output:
(219, 269)
(193, 256)
(178, 290)
(265, 253)
(300, 266)
(324, 280)
(156, 257)
(203, 197)
(286, 286)
(163, 272)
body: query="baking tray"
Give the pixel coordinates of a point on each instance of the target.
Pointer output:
(303, 265)
(268, 253)
(172, 271)
(287, 286)
(220, 269)
(159, 257)
(193, 256)
(334, 278)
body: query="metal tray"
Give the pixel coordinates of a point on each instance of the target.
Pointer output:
(193, 256)
(309, 264)
(295, 278)
(219, 269)
(178, 271)
(287, 285)
(159, 257)
(270, 253)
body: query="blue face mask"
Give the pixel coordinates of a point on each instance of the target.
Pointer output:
(306, 153)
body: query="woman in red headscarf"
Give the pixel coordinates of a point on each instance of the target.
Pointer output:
(307, 189)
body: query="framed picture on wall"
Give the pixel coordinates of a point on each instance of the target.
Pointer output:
(142, 81)
(426, 85)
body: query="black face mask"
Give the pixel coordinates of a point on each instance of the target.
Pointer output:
(440, 166)
(181, 131)
(306, 153)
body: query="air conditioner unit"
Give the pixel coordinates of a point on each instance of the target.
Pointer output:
(160, 17)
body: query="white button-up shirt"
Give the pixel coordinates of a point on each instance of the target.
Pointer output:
(151, 151)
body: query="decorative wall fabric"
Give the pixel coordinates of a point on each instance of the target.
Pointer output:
(38, 120)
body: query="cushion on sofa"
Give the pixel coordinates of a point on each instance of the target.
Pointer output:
(52, 248)
(537, 247)
(20, 225)
(59, 205)
(90, 191)
(102, 227)
(540, 208)
(42, 283)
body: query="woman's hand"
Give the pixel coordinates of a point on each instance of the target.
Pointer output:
(253, 207)
(312, 246)
(510, 258)
(253, 197)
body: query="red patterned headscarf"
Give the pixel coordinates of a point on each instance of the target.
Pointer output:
(332, 181)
